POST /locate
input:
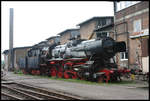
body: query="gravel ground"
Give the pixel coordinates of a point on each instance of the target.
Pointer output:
(88, 91)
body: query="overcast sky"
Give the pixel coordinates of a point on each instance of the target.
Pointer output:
(36, 21)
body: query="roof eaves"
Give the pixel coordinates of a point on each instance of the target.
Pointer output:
(22, 47)
(5, 51)
(52, 37)
(106, 26)
(42, 42)
(67, 31)
(93, 18)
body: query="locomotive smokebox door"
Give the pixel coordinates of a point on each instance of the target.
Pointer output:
(120, 47)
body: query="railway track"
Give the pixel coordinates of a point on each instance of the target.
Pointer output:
(19, 91)
(5, 96)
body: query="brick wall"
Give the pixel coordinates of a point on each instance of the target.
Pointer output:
(132, 9)
(130, 16)
(51, 41)
(87, 29)
(65, 38)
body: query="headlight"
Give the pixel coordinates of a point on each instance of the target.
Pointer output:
(76, 69)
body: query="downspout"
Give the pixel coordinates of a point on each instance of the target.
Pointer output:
(115, 35)
(128, 46)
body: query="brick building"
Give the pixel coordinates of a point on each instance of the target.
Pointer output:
(132, 26)
(19, 52)
(66, 35)
(53, 39)
(87, 27)
(106, 30)
(42, 43)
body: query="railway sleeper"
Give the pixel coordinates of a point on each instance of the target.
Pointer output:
(58, 94)
(23, 94)
(10, 97)
(41, 95)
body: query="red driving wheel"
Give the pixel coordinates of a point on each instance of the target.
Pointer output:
(60, 73)
(74, 75)
(32, 72)
(66, 76)
(53, 71)
(38, 72)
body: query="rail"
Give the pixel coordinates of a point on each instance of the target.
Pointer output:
(10, 96)
(23, 95)
(36, 93)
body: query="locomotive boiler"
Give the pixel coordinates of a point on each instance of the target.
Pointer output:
(103, 48)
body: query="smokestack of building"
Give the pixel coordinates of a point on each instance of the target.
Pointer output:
(11, 64)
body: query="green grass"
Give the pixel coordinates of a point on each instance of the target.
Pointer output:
(74, 80)
(123, 82)
(80, 81)
(18, 72)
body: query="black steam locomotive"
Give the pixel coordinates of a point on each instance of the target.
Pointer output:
(77, 59)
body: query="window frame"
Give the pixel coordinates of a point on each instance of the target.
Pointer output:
(103, 32)
(124, 55)
(135, 25)
(125, 4)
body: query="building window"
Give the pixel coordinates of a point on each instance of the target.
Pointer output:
(137, 25)
(101, 23)
(57, 39)
(125, 4)
(124, 55)
(108, 21)
(102, 34)
(74, 34)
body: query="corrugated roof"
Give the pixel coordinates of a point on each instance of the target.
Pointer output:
(103, 27)
(73, 29)
(6, 51)
(42, 42)
(52, 37)
(93, 18)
